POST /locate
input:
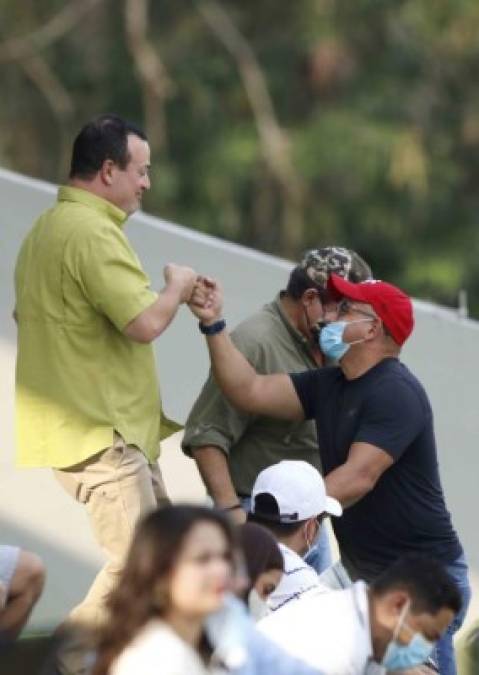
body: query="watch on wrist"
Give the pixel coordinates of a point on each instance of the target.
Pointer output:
(233, 507)
(213, 328)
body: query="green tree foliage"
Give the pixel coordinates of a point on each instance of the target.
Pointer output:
(280, 125)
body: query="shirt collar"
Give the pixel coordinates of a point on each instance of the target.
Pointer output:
(292, 560)
(66, 193)
(294, 332)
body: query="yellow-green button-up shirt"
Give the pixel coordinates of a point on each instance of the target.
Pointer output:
(78, 284)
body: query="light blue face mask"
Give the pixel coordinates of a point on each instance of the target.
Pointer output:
(331, 340)
(403, 657)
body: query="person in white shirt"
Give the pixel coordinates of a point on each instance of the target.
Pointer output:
(178, 571)
(393, 625)
(289, 498)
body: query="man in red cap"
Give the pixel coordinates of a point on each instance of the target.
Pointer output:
(375, 431)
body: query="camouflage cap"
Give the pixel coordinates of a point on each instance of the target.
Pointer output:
(319, 263)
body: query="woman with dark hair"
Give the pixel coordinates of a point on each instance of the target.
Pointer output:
(177, 572)
(264, 564)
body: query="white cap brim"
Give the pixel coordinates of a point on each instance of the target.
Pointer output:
(333, 507)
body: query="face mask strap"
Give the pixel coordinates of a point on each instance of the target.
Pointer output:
(356, 342)
(400, 621)
(257, 606)
(309, 544)
(314, 328)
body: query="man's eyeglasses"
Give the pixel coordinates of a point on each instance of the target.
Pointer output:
(346, 306)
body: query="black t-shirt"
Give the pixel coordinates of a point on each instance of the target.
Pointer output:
(405, 511)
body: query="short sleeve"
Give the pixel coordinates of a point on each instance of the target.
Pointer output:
(306, 385)
(111, 276)
(391, 418)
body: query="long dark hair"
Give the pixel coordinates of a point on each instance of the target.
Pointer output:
(261, 552)
(153, 553)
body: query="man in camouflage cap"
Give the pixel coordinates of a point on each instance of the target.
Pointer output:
(319, 263)
(230, 447)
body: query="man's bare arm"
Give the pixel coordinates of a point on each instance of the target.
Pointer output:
(152, 321)
(359, 474)
(213, 467)
(271, 395)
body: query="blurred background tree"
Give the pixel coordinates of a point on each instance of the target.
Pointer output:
(279, 125)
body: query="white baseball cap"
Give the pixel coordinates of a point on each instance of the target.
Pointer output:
(298, 490)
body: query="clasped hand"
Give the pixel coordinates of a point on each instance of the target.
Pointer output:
(206, 301)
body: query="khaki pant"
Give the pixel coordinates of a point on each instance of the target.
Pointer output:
(117, 486)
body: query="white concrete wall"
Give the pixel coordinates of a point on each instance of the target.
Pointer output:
(35, 513)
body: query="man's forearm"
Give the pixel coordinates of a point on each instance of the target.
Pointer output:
(232, 371)
(169, 300)
(153, 320)
(347, 486)
(271, 395)
(157, 317)
(213, 467)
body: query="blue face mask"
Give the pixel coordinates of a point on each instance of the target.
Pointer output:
(403, 657)
(331, 340)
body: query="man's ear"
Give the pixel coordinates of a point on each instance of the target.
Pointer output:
(397, 599)
(375, 328)
(389, 607)
(106, 171)
(309, 296)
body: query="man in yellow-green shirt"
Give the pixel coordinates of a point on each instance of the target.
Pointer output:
(87, 396)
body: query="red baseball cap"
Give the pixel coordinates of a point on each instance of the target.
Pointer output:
(392, 306)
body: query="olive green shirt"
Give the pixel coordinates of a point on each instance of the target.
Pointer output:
(272, 345)
(467, 651)
(78, 283)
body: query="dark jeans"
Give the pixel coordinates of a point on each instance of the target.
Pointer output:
(444, 652)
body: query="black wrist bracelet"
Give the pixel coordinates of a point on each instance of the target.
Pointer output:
(233, 507)
(213, 328)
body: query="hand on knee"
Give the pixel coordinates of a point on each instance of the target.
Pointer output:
(29, 576)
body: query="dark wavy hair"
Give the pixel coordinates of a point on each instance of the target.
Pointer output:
(154, 551)
(105, 137)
